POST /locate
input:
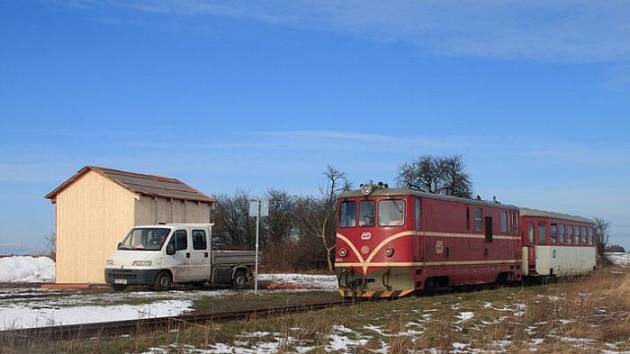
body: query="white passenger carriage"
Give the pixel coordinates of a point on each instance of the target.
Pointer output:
(557, 244)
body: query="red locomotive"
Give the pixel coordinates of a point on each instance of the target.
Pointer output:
(392, 242)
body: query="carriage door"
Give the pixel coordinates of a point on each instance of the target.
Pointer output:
(531, 244)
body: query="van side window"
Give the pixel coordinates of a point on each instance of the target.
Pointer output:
(542, 233)
(180, 240)
(478, 218)
(200, 242)
(530, 232)
(554, 234)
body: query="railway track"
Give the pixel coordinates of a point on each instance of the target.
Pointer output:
(130, 327)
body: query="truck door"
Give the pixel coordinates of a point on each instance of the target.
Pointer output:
(179, 263)
(200, 256)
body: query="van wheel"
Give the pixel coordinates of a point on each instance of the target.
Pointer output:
(163, 281)
(240, 280)
(119, 287)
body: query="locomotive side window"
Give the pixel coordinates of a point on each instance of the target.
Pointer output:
(478, 218)
(366, 213)
(542, 233)
(530, 232)
(467, 218)
(561, 234)
(554, 234)
(347, 214)
(391, 213)
(569, 235)
(489, 227)
(503, 219)
(418, 214)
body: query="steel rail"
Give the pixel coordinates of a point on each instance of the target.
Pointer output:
(130, 327)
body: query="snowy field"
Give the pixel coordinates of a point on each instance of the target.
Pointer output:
(26, 269)
(39, 307)
(618, 258)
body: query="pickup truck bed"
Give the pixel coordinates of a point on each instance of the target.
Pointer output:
(222, 258)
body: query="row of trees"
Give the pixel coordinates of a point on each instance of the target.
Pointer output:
(300, 230)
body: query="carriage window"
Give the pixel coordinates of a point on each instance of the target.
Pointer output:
(561, 234)
(530, 233)
(347, 214)
(418, 214)
(542, 233)
(467, 218)
(590, 236)
(583, 235)
(554, 233)
(569, 235)
(478, 218)
(503, 217)
(391, 213)
(366, 213)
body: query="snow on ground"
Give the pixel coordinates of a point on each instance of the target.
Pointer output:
(21, 316)
(26, 269)
(311, 281)
(618, 258)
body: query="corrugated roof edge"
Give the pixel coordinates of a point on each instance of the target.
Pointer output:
(402, 191)
(102, 171)
(554, 215)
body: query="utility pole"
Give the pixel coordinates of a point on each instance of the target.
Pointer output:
(257, 236)
(257, 208)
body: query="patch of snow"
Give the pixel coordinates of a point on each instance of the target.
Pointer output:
(343, 344)
(465, 316)
(459, 347)
(536, 341)
(619, 258)
(18, 316)
(26, 269)
(310, 281)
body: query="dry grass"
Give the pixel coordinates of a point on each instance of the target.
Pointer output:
(583, 315)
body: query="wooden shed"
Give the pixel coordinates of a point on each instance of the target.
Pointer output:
(95, 208)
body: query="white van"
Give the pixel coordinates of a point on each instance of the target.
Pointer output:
(160, 255)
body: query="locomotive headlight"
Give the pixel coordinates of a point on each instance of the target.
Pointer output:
(343, 252)
(366, 189)
(389, 252)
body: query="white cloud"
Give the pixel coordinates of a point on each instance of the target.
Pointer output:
(564, 31)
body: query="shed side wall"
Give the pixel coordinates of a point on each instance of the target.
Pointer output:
(151, 211)
(93, 215)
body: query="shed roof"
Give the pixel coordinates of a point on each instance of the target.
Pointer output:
(150, 185)
(554, 215)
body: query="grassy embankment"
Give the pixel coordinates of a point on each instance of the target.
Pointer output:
(588, 314)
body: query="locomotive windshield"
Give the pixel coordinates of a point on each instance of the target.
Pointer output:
(366, 213)
(391, 213)
(347, 214)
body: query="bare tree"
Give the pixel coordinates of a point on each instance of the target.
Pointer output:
(51, 246)
(603, 236)
(442, 175)
(233, 226)
(317, 215)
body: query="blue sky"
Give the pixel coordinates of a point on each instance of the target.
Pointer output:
(251, 95)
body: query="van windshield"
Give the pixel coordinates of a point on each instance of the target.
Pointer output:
(146, 239)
